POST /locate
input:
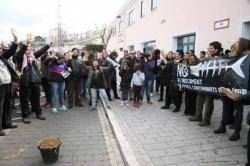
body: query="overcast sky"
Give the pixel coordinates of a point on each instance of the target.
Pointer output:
(38, 16)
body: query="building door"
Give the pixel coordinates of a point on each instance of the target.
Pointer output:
(186, 43)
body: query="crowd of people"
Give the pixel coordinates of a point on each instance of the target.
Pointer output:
(72, 75)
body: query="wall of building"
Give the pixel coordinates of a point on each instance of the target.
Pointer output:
(173, 18)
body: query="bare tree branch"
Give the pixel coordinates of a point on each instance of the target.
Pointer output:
(105, 35)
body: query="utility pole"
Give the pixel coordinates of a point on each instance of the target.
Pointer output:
(59, 27)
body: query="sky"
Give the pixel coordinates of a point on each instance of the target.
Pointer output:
(39, 16)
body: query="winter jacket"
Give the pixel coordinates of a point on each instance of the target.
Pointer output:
(138, 79)
(165, 72)
(103, 70)
(55, 70)
(149, 69)
(4, 59)
(126, 76)
(30, 73)
(77, 67)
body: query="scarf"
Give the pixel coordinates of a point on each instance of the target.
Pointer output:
(28, 58)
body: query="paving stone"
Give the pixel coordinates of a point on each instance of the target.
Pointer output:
(168, 138)
(79, 130)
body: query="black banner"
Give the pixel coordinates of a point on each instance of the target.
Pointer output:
(207, 76)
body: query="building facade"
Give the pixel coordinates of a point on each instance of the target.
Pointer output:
(179, 24)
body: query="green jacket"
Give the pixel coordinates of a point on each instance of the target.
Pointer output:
(91, 70)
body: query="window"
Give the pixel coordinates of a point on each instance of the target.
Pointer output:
(148, 46)
(186, 43)
(142, 9)
(131, 18)
(153, 4)
(121, 49)
(131, 48)
(120, 26)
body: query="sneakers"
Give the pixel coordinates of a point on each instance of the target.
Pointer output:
(54, 111)
(122, 104)
(63, 108)
(127, 102)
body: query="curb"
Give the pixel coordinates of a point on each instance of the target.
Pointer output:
(123, 145)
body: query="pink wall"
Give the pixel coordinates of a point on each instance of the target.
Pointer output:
(183, 17)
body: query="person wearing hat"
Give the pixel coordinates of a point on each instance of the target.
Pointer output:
(56, 76)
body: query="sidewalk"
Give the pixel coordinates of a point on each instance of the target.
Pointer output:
(86, 140)
(161, 137)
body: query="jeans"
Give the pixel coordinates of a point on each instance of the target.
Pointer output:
(83, 86)
(149, 83)
(125, 94)
(102, 93)
(57, 88)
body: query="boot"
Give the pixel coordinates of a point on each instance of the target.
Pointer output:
(10, 126)
(235, 136)
(40, 117)
(2, 133)
(204, 123)
(26, 121)
(137, 104)
(165, 107)
(176, 110)
(220, 130)
(134, 104)
(160, 100)
(195, 119)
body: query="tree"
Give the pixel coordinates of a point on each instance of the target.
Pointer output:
(94, 47)
(105, 35)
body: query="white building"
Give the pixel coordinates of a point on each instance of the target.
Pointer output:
(180, 24)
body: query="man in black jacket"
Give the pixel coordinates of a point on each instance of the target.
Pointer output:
(75, 66)
(7, 76)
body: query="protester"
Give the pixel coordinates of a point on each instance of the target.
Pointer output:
(56, 76)
(175, 92)
(190, 96)
(84, 78)
(108, 76)
(75, 67)
(7, 77)
(165, 68)
(44, 79)
(214, 51)
(233, 111)
(30, 81)
(97, 82)
(137, 83)
(149, 70)
(113, 55)
(126, 76)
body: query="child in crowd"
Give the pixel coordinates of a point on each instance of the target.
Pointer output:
(126, 76)
(137, 83)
